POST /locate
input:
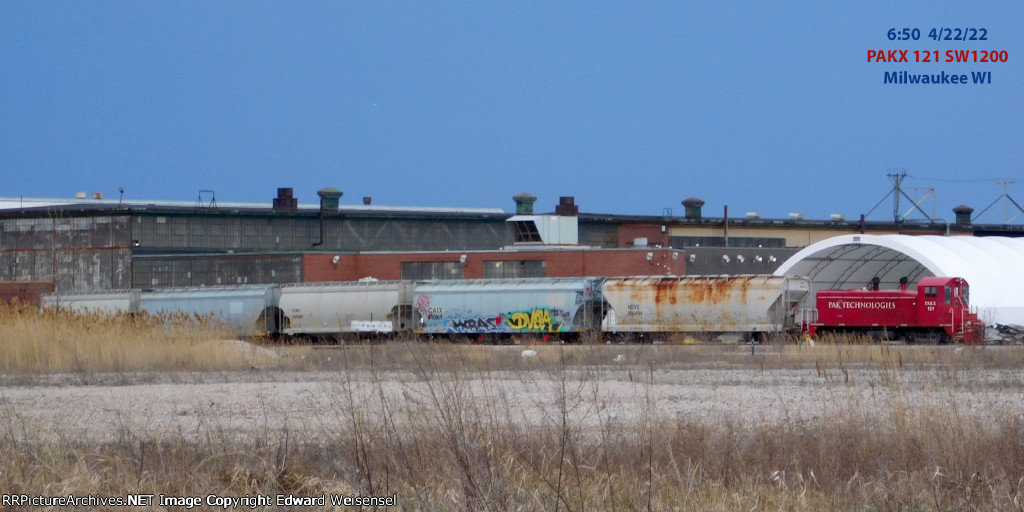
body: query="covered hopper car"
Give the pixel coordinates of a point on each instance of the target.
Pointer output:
(503, 308)
(252, 310)
(937, 310)
(736, 308)
(347, 308)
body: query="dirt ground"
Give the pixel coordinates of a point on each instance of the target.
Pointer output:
(105, 406)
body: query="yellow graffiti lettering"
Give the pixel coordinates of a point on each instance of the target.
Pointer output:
(540, 320)
(519, 320)
(536, 320)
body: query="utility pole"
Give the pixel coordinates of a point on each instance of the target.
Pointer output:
(1005, 182)
(897, 191)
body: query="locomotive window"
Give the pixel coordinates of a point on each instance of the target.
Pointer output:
(930, 291)
(949, 294)
(964, 290)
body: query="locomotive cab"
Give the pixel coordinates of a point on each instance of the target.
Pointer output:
(945, 302)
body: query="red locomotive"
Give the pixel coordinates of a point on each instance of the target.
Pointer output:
(938, 311)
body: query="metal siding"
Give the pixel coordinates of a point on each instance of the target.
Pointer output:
(85, 251)
(191, 270)
(340, 233)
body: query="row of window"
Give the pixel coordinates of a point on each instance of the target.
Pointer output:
(297, 234)
(193, 273)
(431, 270)
(682, 242)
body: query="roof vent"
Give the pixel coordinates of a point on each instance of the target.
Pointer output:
(524, 203)
(330, 198)
(963, 214)
(692, 207)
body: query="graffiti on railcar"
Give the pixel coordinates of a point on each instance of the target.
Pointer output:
(537, 320)
(423, 304)
(534, 320)
(474, 325)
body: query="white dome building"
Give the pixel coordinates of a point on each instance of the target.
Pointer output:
(993, 266)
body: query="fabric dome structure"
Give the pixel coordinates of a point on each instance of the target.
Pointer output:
(992, 266)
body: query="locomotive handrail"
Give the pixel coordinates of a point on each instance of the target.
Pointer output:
(808, 315)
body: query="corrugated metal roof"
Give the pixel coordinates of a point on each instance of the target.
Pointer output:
(18, 203)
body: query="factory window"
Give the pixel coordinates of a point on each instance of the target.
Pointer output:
(430, 270)
(513, 269)
(679, 242)
(598, 235)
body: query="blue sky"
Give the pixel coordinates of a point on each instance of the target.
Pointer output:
(630, 107)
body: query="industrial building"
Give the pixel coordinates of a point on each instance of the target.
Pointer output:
(90, 243)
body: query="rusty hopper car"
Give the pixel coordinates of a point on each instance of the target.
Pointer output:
(505, 308)
(347, 308)
(704, 307)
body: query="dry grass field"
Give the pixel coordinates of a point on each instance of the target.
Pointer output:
(112, 406)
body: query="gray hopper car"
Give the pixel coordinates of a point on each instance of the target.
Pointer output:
(251, 310)
(347, 308)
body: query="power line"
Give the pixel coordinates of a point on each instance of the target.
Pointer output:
(947, 180)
